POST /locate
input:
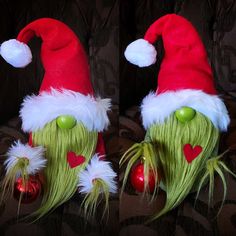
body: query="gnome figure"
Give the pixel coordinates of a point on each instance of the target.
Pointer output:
(183, 118)
(64, 122)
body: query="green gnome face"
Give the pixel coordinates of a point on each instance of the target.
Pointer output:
(183, 117)
(182, 155)
(61, 177)
(64, 120)
(182, 151)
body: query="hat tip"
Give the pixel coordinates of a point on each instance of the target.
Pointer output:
(16, 53)
(141, 53)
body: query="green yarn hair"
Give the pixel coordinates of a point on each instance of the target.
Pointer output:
(8, 183)
(215, 165)
(178, 177)
(92, 200)
(146, 153)
(61, 180)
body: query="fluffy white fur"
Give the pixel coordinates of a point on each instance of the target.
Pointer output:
(97, 169)
(37, 111)
(16, 53)
(141, 53)
(157, 108)
(35, 155)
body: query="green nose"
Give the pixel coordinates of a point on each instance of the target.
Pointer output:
(66, 122)
(185, 114)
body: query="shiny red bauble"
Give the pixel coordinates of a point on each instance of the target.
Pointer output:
(137, 178)
(30, 190)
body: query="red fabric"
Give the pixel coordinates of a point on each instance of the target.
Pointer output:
(30, 140)
(62, 54)
(185, 64)
(100, 149)
(190, 152)
(75, 160)
(64, 60)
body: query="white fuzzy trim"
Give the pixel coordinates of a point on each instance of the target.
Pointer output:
(37, 111)
(97, 169)
(35, 155)
(16, 53)
(141, 53)
(156, 108)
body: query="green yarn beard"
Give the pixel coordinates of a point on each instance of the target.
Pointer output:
(60, 180)
(178, 176)
(162, 152)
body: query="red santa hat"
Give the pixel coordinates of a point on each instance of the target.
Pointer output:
(185, 77)
(66, 89)
(66, 86)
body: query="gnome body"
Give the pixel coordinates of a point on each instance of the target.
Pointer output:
(64, 121)
(183, 118)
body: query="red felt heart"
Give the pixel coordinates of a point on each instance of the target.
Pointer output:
(191, 153)
(74, 160)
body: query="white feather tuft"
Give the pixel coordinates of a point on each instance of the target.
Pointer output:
(35, 155)
(37, 111)
(97, 169)
(16, 53)
(141, 53)
(157, 108)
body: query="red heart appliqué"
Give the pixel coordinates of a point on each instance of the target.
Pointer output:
(74, 160)
(191, 153)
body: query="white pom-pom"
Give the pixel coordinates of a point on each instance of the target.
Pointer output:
(35, 155)
(16, 53)
(141, 53)
(97, 169)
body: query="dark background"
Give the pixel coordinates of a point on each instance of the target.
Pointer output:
(96, 23)
(106, 27)
(215, 21)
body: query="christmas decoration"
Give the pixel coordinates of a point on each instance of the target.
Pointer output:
(64, 121)
(145, 176)
(184, 117)
(137, 179)
(29, 191)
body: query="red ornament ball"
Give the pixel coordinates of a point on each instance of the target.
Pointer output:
(137, 178)
(30, 190)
